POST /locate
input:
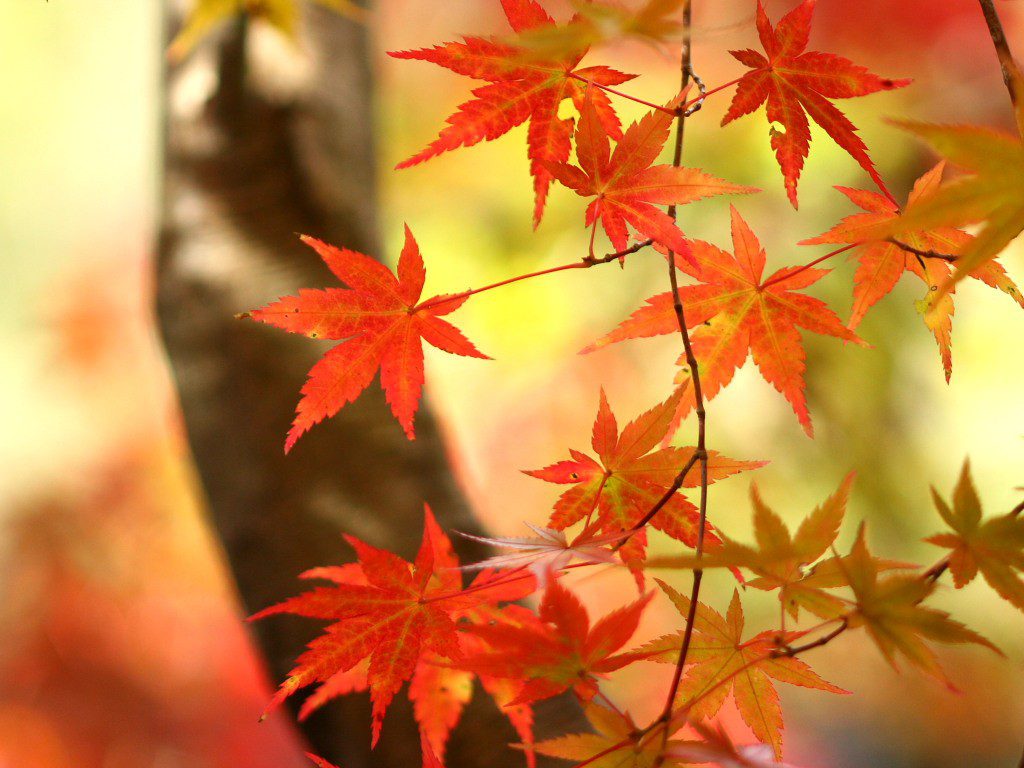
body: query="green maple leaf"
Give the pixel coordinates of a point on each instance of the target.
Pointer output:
(992, 547)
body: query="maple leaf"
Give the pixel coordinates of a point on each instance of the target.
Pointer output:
(594, 23)
(283, 15)
(520, 88)
(891, 611)
(382, 321)
(549, 551)
(391, 615)
(629, 477)
(615, 743)
(993, 192)
(788, 562)
(718, 748)
(734, 313)
(720, 661)
(993, 547)
(797, 84)
(626, 185)
(560, 652)
(883, 261)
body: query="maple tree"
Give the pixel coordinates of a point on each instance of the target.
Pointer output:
(395, 623)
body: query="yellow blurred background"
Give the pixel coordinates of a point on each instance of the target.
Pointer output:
(121, 644)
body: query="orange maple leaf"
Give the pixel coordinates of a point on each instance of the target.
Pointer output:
(614, 491)
(391, 618)
(383, 323)
(883, 260)
(520, 87)
(797, 83)
(560, 652)
(734, 313)
(627, 187)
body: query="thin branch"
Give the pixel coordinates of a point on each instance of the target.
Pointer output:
(791, 651)
(701, 453)
(932, 574)
(925, 254)
(677, 483)
(688, 106)
(585, 263)
(1011, 72)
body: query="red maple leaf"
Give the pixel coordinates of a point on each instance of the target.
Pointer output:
(883, 261)
(627, 187)
(628, 478)
(382, 321)
(797, 83)
(561, 651)
(393, 621)
(734, 313)
(521, 86)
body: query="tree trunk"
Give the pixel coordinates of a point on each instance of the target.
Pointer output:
(246, 168)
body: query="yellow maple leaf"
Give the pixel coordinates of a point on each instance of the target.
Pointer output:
(283, 15)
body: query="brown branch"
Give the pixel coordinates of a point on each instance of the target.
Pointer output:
(791, 651)
(677, 483)
(701, 452)
(925, 254)
(1011, 72)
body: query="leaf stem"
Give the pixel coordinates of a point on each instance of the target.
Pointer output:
(584, 263)
(786, 275)
(609, 89)
(687, 105)
(1011, 72)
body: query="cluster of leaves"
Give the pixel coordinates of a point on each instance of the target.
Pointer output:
(394, 622)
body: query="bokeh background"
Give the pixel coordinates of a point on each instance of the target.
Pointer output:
(121, 643)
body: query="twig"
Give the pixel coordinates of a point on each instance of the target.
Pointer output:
(791, 651)
(933, 573)
(677, 483)
(1011, 72)
(926, 254)
(585, 263)
(701, 452)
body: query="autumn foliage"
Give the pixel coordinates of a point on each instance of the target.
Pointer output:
(393, 623)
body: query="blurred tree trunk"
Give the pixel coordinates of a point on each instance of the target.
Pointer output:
(249, 162)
